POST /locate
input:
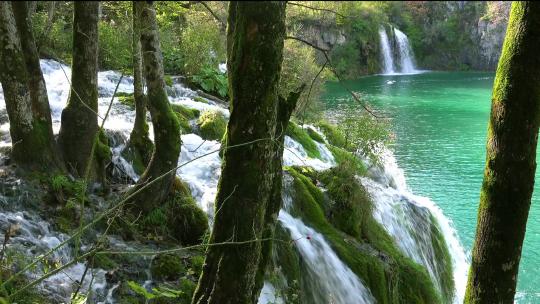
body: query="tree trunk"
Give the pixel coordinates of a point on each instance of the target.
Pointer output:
(79, 118)
(250, 173)
(286, 108)
(36, 83)
(140, 145)
(510, 162)
(24, 92)
(165, 124)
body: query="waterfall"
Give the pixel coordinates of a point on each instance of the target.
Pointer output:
(386, 52)
(329, 279)
(408, 218)
(399, 46)
(404, 215)
(406, 55)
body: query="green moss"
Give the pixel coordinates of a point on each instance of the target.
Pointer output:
(444, 268)
(315, 135)
(197, 262)
(126, 99)
(301, 136)
(167, 267)
(185, 112)
(212, 125)
(184, 115)
(351, 205)
(347, 158)
(104, 262)
(374, 257)
(103, 152)
(179, 218)
(168, 80)
(332, 134)
(200, 99)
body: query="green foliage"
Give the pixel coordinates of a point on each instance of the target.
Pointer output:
(300, 67)
(202, 43)
(333, 134)
(115, 46)
(212, 80)
(167, 266)
(301, 136)
(168, 80)
(364, 133)
(212, 125)
(348, 158)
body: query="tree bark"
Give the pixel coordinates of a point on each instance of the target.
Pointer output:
(79, 118)
(245, 203)
(24, 91)
(140, 144)
(36, 83)
(164, 121)
(510, 161)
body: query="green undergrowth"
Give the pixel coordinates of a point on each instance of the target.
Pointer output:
(212, 125)
(358, 239)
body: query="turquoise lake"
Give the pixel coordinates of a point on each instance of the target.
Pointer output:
(440, 123)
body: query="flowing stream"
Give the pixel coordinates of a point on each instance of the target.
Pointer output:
(329, 275)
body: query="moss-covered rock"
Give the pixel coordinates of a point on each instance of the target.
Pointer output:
(212, 125)
(127, 99)
(179, 218)
(184, 115)
(301, 136)
(373, 256)
(315, 135)
(168, 267)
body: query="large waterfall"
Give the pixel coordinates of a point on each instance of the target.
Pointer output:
(401, 213)
(396, 47)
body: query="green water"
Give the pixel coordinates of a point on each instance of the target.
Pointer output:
(440, 122)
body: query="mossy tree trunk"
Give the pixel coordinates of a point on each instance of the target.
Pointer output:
(285, 110)
(510, 162)
(164, 121)
(79, 118)
(140, 144)
(246, 203)
(24, 91)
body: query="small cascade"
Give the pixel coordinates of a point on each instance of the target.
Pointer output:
(406, 55)
(386, 52)
(329, 279)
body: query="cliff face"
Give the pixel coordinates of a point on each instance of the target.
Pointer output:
(445, 35)
(491, 30)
